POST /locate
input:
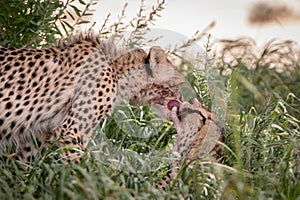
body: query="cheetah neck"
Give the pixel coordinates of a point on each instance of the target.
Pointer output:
(130, 83)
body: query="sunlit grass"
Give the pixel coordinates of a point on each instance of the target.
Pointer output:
(129, 153)
(254, 90)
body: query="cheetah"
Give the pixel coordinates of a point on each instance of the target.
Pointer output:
(63, 92)
(198, 130)
(198, 135)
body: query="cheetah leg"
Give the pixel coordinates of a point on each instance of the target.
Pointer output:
(72, 139)
(30, 147)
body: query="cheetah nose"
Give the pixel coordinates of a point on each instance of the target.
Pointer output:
(174, 103)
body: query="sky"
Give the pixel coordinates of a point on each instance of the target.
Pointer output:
(185, 17)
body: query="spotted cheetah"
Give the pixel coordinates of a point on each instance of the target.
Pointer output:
(62, 92)
(198, 130)
(198, 134)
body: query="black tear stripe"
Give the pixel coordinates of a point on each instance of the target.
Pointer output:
(148, 67)
(149, 70)
(189, 110)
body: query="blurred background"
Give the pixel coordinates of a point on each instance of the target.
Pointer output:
(261, 20)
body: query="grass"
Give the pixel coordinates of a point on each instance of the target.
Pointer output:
(254, 90)
(129, 152)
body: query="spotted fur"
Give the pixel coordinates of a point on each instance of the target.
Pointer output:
(62, 92)
(198, 133)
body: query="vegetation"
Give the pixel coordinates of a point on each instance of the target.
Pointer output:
(255, 91)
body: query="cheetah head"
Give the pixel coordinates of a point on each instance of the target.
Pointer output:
(151, 80)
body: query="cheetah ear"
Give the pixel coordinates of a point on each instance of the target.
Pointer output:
(127, 61)
(135, 57)
(157, 56)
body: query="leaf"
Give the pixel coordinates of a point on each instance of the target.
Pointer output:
(69, 25)
(82, 2)
(70, 14)
(84, 22)
(88, 14)
(77, 11)
(64, 27)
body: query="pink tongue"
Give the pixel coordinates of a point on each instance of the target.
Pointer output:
(172, 103)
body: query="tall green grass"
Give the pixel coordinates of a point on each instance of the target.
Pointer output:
(257, 91)
(129, 152)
